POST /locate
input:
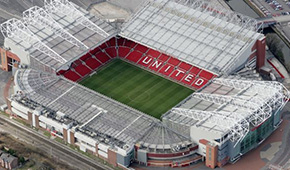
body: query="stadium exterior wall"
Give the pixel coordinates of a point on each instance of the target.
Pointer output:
(18, 51)
(7, 58)
(229, 151)
(256, 49)
(115, 156)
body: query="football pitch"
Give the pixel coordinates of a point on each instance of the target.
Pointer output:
(138, 88)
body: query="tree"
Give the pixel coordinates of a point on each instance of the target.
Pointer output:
(22, 160)
(275, 46)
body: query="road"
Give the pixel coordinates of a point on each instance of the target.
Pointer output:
(55, 149)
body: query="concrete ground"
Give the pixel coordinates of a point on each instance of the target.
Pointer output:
(129, 5)
(221, 3)
(269, 151)
(107, 10)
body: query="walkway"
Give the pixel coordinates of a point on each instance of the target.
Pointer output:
(4, 78)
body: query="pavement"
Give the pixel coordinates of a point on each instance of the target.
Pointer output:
(281, 159)
(269, 151)
(4, 77)
(129, 5)
(107, 10)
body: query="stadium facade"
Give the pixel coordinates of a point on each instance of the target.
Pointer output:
(189, 42)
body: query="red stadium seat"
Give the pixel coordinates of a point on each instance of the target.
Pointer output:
(76, 63)
(102, 57)
(195, 70)
(163, 57)
(121, 41)
(141, 48)
(178, 74)
(112, 52)
(153, 53)
(61, 72)
(72, 75)
(82, 70)
(93, 64)
(185, 66)
(166, 69)
(85, 57)
(130, 44)
(173, 61)
(111, 42)
(123, 51)
(94, 51)
(146, 61)
(134, 56)
(206, 75)
(103, 46)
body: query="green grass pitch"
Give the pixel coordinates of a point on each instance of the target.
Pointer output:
(138, 88)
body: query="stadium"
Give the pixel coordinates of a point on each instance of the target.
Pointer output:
(168, 88)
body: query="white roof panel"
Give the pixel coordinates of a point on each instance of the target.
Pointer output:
(180, 28)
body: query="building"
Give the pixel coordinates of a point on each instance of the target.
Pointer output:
(8, 161)
(190, 42)
(229, 117)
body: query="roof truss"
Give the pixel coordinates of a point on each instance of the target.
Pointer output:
(15, 28)
(237, 126)
(36, 15)
(67, 8)
(256, 113)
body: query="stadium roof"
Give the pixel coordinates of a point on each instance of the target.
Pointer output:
(58, 33)
(161, 138)
(196, 32)
(230, 106)
(92, 112)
